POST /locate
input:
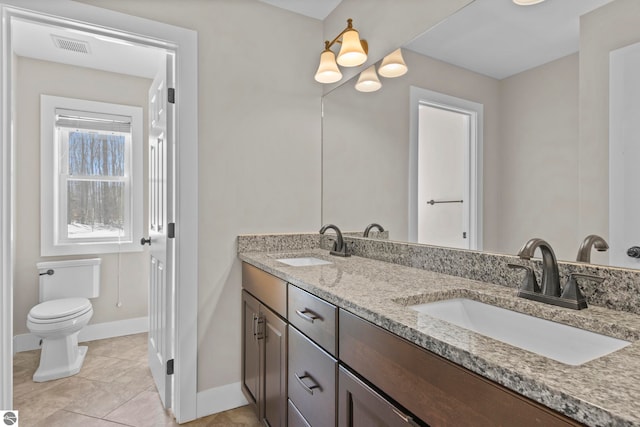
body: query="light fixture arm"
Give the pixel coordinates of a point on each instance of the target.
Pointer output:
(328, 44)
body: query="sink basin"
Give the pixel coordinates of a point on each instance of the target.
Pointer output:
(556, 341)
(303, 261)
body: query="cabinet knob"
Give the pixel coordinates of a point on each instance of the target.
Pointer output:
(634, 251)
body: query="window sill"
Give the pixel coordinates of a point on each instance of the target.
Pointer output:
(91, 248)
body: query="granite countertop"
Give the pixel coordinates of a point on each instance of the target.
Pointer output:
(601, 392)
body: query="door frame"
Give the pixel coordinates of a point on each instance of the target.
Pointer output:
(475, 111)
(184, 43)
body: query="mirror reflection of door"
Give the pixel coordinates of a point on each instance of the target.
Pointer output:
(443, 176)
(445, 170)
(624, 153)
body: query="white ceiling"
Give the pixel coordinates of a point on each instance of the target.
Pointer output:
(318, 9)
(498, 38)
(34, 40)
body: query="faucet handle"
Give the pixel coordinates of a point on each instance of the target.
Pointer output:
(529, 283)
(572, 291)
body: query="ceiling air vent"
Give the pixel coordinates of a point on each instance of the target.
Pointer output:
(72, 45)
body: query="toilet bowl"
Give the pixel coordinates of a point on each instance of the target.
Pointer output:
(65, 310)
(58, 323)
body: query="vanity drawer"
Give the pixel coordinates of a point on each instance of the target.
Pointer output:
(313, 316)
(295, 418)
(269, 289)
(312, 380)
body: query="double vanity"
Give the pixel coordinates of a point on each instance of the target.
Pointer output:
(347, 341)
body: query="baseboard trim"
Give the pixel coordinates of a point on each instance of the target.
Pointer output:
(96, 331)
(219, 399)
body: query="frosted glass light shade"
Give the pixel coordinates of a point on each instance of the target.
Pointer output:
(527, 2)
(393, 65)
(368, 80)
(328, 71)
(351, 53)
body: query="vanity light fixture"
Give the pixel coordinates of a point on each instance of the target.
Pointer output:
(368, 80)
(527, 2)
(353, 52)
(393, 65)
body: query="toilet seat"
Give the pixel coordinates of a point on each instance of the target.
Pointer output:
(59, 310)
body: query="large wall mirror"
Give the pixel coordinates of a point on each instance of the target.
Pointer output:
(541, 167)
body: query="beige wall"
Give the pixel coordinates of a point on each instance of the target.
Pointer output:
(538, 151)
(610, 27)
(259, 147)
(33, 78)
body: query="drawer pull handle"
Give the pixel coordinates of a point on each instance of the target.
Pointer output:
(406, 418)
(309, 389)
(308, 317)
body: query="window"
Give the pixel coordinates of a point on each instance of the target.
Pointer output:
(91, 176)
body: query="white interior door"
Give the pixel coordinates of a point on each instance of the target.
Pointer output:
(624, 156)
(443, 177)
(445, 165)
(161, 214)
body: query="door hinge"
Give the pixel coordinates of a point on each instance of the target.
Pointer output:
(171, 230)
(170, 367)
(171, 95)
(464, 234)
(259, 328)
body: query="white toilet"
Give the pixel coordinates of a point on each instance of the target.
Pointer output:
(63, 311)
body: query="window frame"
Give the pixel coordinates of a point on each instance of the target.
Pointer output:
(53, 224)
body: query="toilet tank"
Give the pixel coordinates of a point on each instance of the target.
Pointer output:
(74, 278)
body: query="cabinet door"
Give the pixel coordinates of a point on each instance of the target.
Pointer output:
(275, 368)
(250, 350)
(361, 406)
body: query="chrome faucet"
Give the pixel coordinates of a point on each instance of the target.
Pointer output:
(339, 245)
(591, 241)
(550, 275)
(551, 293)
(369, 227)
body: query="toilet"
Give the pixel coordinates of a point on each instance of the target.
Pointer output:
(64, 310)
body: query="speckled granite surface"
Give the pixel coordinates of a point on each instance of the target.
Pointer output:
(605, 391)
(620, 289)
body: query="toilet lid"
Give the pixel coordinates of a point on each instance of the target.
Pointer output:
(58, 308)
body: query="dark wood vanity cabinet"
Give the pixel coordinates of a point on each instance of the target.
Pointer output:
(264, 346)
(435, 390)
(307, 363)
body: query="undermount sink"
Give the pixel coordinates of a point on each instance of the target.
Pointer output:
(303, 261)
(556, 341)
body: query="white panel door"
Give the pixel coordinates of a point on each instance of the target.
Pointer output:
(161, 213)
(443, 177)
(624, 156)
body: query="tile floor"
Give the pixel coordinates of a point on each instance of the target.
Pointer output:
(114, 388)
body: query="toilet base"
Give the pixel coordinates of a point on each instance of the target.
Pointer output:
(60, 357)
